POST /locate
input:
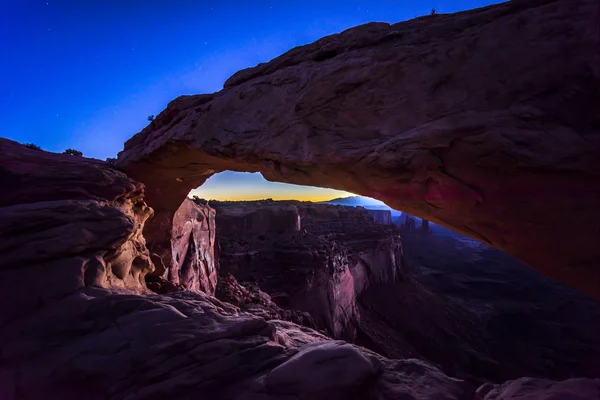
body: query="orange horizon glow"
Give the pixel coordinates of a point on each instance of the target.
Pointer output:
(241, 186)
(273, 197)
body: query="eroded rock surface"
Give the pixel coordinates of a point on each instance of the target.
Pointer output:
(251, 299)
(473, 325)
(484, 121)
(194, 259)
(312, 257)
(66, 223)
(73, 326)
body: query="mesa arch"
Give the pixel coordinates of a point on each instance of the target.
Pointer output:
(484, 121)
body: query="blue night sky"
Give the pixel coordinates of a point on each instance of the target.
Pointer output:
(85, 74)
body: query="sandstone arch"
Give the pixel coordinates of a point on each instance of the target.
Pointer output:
(484, 121)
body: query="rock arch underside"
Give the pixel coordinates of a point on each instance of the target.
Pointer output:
(486, 122)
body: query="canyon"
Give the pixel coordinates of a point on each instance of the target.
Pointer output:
(347, 270)
(312, 257)
(114, 285)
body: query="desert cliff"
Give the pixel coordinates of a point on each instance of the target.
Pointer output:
(312, 257)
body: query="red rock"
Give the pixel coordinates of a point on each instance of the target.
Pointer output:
(194, 263)
(76, 321)
(66, 223)
(312, 257)
(484, 121)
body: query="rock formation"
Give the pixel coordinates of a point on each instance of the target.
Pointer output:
(425, 229)
(409, 225)
(77, 322)
(311, 257)
(194, 263)
(66, 223)
(251, 299)
(381, 216)
(483, 121)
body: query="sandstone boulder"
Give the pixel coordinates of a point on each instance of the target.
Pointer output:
(322, 366)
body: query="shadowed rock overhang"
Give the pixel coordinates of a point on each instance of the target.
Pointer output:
(484, 121)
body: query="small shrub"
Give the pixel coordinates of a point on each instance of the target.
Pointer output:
(150, 118)
(32, 146)
(433, 11)
(73, 152)
(111, 160)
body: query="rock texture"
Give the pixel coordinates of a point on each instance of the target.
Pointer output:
(483, 121)
(78, 323)
(66, 223)
(312, 257)
(251, 299)
(194, 262)
(188, 345)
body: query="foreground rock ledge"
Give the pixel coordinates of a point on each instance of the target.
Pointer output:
(484, 121)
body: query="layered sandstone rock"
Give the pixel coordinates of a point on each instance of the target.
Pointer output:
(66, 223)
(311, 257)
(483, 121)
(76, 322)
(194, 262)
(257, 218)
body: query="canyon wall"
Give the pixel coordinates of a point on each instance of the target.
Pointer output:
(312, 257)
(381, 216)
(66, 223)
